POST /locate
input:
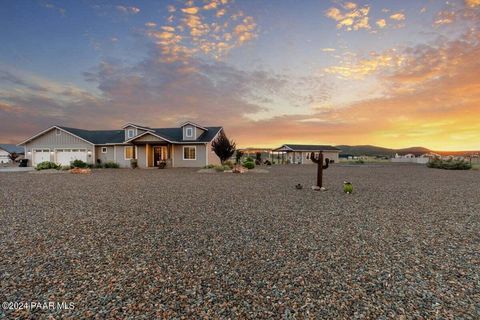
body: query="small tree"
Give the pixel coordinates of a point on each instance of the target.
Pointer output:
(12, 156)
(238, 156)
(223, 147)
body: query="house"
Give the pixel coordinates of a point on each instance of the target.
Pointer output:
(300, 153)
(8, 149)
(188, 145)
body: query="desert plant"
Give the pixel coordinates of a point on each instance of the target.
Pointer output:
(449, 164)
(249, 164)
(13, 156)
(66, 168)
(229, 164)
(209, 166)
(223, 147)
(111, 165)
(47, 165)
(78, 164)
(238, 156)
(162, 165)
(267, 162)
(133, 163)
(320, 166)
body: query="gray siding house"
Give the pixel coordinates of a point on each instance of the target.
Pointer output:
(188, 145)
(300, 153)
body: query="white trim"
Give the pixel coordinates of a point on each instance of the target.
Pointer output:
(192, 134)
(206, 154)
(106, 149)
(45, 131)
(115, 153)
(128, 133)
(193, 124)
(125, 152)
(183, 152)
(136, 153)
(138, 127)
(148, 132)
(173, 155)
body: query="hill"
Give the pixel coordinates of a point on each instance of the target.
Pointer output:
(368, 150)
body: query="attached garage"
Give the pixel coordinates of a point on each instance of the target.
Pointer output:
(40, 155)
(66, 156)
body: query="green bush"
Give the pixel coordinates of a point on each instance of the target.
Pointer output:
(210, 166)
(249, 159)
(449, 164)
(111, 165)
(99, 166)
(359, 161)
(78, 164)
(229, 164)
(47, 165)
(249, 164)
(133, 163)
(66, 168)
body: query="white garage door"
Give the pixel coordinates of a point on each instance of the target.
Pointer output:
(41, 155)
(66, 156)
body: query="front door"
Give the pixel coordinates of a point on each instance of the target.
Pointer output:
(159, 155)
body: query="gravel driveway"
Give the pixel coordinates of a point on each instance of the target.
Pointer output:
(179, 244)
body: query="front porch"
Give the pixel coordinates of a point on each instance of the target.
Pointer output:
(154, 154)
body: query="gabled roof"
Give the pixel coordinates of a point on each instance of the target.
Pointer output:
(175, 135)
(306, 147)
(193, 124)
(98, 136)
(11, 148)
(137, 126)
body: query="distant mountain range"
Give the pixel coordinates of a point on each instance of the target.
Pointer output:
(368, 150)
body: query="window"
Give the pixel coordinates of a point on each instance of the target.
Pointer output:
(189, 153)
(129, 153)
(130, 133)
(104, 149)
(189, 132)
(58, 132)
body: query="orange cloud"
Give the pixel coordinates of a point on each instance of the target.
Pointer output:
(472, 3)
(353, 18)
(381, 23)
(398, 16)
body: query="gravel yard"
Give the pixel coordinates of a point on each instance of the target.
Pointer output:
(180, 244)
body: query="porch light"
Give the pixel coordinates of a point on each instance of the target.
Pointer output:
(89, 152)
(29, 152)
(51, 152)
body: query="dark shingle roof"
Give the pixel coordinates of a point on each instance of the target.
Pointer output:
(11, 148)
(310, 147)
(118, 136)
(98, 136)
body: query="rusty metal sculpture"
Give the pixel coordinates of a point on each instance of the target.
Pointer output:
(320, 166)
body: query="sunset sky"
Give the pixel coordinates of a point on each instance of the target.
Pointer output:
(388, 73)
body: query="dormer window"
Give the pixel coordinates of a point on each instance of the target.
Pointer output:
(189, 132)
(130, 133)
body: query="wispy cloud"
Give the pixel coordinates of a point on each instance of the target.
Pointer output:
(351, 17)
(399, 16)
(128, 10)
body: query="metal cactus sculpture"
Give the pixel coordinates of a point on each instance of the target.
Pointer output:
(320, 166)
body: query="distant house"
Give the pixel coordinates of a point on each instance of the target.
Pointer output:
(8, 149)
(300, 153)
(188, 145)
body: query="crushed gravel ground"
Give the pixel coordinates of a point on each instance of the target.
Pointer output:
(174, 243)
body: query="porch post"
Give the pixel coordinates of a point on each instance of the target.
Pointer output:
(146, 155)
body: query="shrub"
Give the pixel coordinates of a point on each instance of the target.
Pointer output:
(449, 164)
(221, 168)
(210, 166)
(66, 168)
(78, 164)
(99, 166)
(47, 165)
(229, 164)
(359, 161)
(223, 147)
(258, 162)
(162, 165)
(249, 164)
(111, 165)
(267, 162)
(133, 163)
(249, 159)
(238, 156)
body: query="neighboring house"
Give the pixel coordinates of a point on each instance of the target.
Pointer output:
(6, 150)
(300, 153)
(188, 145)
